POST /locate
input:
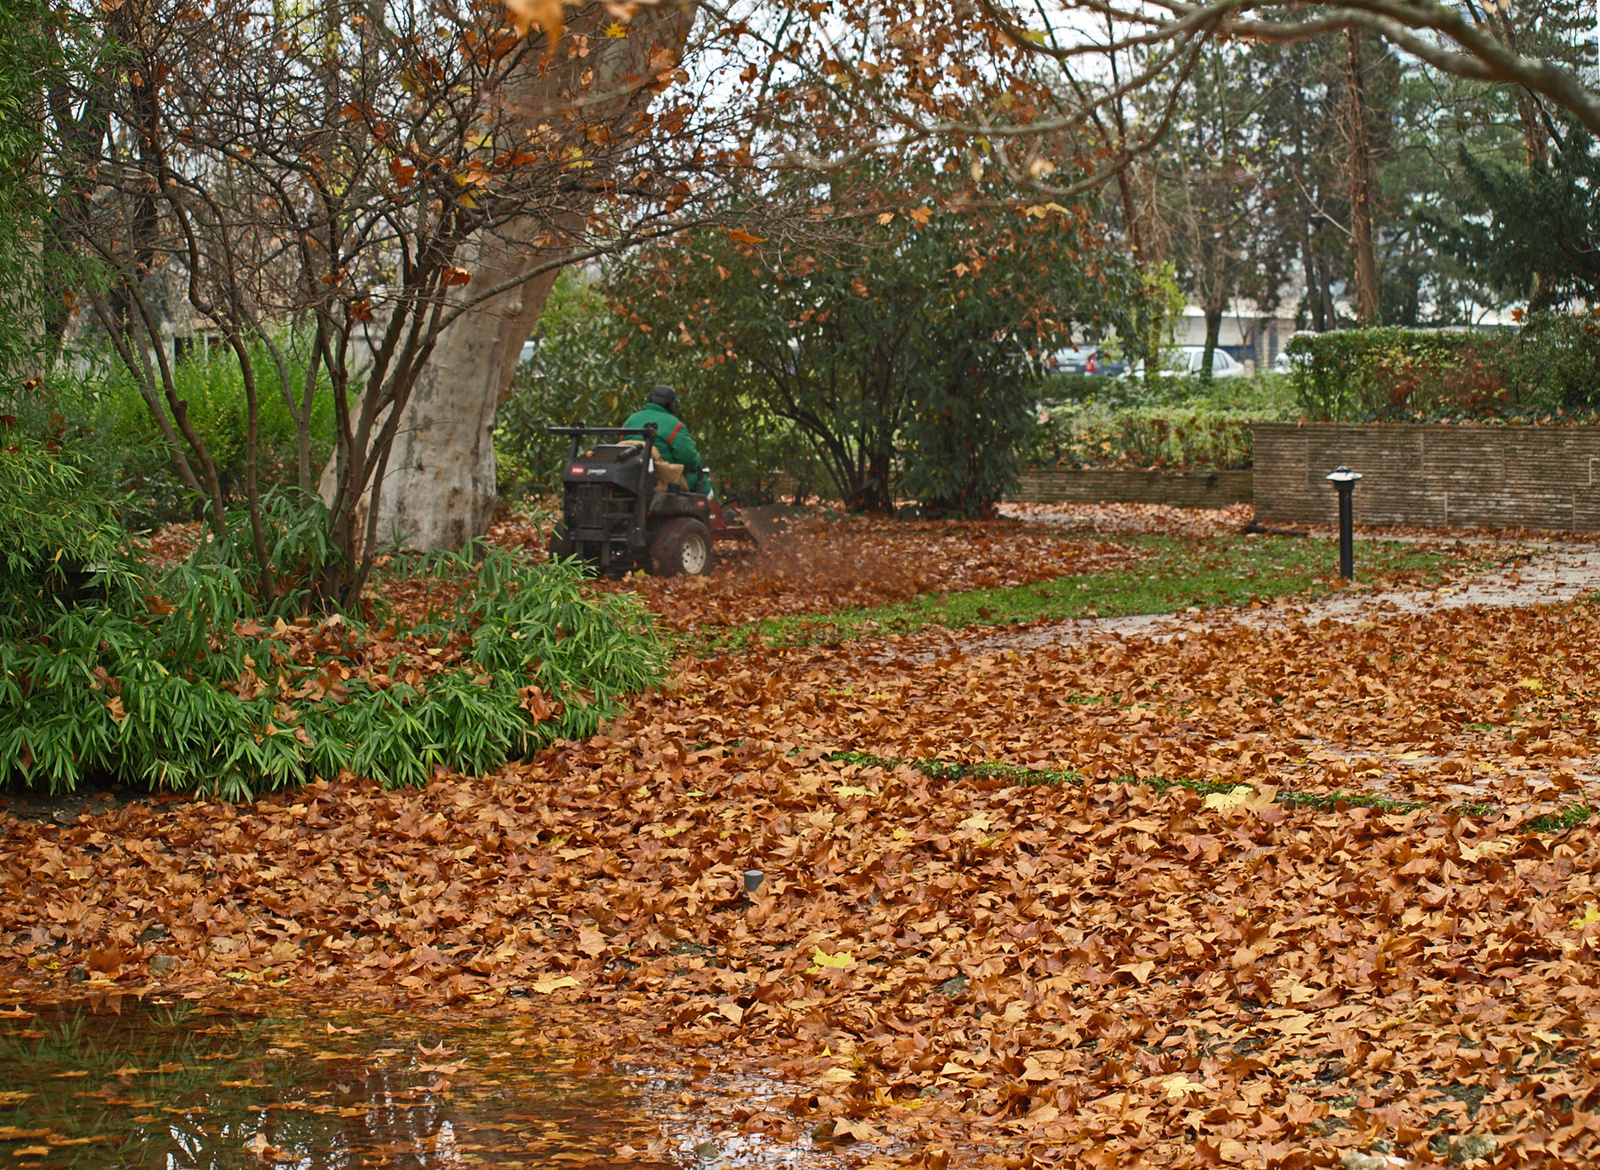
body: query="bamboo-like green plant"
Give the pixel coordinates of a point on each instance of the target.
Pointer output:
(172, 680)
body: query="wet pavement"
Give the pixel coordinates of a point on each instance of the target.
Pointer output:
(1534, 574)
(124, 1084)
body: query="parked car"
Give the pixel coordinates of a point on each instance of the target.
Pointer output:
(1083, 359)
(1285, 362)
(1187, 361)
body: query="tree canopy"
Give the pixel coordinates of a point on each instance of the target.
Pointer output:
(902, 343)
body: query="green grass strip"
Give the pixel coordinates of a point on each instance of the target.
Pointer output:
(1179, 573)
(1557, 822)
(1568, 817)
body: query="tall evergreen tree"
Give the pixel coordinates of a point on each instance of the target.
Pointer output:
(1540, 238)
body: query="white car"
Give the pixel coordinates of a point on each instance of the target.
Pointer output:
(1188, 360)
(1285, 361)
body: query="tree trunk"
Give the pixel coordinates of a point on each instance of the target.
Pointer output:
(439, 492)
(1330, 312)
(1367, 310)
(1213, 316)
(1317, 320)
(439, 488)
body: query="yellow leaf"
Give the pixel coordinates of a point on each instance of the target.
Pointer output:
(1236, 797)
(1590, 917)
(1179, 1085)
(843, 959)
(546, 986)
(1532, 684)
(977, 822)
(1242, 796)
(837, 1076)
(1486, 849)
(616, 30)
(853, 790)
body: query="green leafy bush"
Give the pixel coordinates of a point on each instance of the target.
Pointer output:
(1550, 365)
(1186, 438)
(178, 680)
(92, 404)
(586, 374)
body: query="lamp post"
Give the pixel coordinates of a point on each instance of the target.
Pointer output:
(1344, 481)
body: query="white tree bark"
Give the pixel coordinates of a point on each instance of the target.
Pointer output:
(439, 487)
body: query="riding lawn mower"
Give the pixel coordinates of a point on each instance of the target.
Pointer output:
(623, 508)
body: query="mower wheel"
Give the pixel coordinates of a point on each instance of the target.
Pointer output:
(560, 544)
(681, 547)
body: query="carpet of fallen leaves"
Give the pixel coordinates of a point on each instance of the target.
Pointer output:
(1146, 518)
(824, 561)
(963, 969)
(818, 562)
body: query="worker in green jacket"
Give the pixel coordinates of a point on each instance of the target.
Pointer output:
(674, 444)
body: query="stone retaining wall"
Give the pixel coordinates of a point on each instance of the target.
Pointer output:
(1216, 489)
(1432, 476)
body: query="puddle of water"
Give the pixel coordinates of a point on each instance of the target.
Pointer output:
(179, 1087)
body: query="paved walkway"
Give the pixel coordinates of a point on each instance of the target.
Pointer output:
(1539, 574)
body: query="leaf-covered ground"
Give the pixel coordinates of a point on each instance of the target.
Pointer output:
(824, 562)
(1261, 896)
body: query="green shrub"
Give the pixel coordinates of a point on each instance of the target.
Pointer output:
(91, 403)
(1390, 371)
(586, 374)
(1192, 438)
(179, 680)
(1550, 365)
(1556, 360)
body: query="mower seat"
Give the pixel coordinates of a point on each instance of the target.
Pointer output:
(668, 475)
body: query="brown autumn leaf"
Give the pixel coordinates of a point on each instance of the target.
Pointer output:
(547, 14)
(1055, 960)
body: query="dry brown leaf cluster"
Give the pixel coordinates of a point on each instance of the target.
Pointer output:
(824, 565)
(1142, 518)
(1099, 974)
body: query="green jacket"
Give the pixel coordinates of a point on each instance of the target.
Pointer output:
(673, 441)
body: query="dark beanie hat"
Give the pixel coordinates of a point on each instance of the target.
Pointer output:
(664, 395)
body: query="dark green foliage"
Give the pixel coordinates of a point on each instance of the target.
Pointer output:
(174, 680)
(1555, 362)
(1364, 373)
(1194, 438)
(1542, 238)
(1551, 364)
(24, 60)
(586, 373)
(902, 349)
(102, 414)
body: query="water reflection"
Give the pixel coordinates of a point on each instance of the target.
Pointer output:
(179, 1087)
